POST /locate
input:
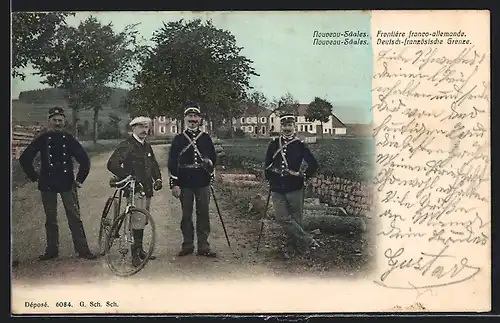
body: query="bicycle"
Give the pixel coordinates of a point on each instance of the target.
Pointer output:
(119, 228)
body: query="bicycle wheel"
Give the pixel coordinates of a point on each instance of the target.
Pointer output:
(106, 221)
(120, 236)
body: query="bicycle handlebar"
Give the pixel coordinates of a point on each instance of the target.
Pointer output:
(123, 181)
(128, 181)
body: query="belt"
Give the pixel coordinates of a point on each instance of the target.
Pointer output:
(283, 172)
(192, 166)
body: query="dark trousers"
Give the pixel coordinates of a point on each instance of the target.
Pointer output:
(72, 208)
(202, 198)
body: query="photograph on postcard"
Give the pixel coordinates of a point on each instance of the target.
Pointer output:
(239, 162)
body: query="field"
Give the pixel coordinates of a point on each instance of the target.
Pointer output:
(350, 158)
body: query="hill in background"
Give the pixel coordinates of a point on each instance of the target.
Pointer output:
(32, 107)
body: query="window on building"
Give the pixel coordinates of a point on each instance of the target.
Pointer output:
(162, 129)
(263, 119)
(301, 128)
(242, 120)
(263, 130)
(325, 130)
(249, 129)
(162, 119)
(173, 129)
(310, 127)
(272, 119)
(249, 119)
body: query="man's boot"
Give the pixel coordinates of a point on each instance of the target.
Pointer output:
(138, 236)
(285, 251)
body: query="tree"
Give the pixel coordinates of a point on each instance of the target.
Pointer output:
(319, 110)
(85, 61)
(32, 36)
(256, 104)
(285, 104)
(191, 61)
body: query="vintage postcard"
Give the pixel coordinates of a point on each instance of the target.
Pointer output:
(250, 162)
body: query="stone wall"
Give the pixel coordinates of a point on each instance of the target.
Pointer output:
(355, 197)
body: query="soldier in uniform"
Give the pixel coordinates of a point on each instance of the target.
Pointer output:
(57, 147)
(134, 156)
(283, 171)
(191, 163)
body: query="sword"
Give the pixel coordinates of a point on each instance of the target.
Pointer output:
(220, 216)
(263, 217)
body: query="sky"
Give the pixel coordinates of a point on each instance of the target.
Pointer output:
(281, 46)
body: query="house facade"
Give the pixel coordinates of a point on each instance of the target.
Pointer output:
(254, 124)
(332, 127)
(163, 126)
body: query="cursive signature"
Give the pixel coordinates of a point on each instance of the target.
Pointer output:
(444, 269)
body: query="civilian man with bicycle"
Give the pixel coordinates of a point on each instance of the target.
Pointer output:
(134, 156)
(191, 164)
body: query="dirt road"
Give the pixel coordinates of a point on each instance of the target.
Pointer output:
(163, 277)
(29, 236)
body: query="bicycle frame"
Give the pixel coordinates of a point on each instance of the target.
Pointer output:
(129, 182)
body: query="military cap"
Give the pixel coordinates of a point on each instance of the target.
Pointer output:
(139, 120)
(192, 108)
(287, 118)
(56, 111)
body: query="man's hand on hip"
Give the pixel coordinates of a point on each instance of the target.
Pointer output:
(176, 191)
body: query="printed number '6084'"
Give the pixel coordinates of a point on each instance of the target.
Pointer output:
(63, 304)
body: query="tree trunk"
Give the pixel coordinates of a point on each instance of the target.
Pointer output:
(73, 105)
(95, 120)
(74, 121)
(231, 130)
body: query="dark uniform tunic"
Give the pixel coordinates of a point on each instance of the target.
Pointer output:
(293, 152)
(56, 177)
(193, 175)
(56, 150)
(186, 165)
(136, 159)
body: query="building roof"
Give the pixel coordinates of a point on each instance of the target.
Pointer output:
(252, 111)
(302, 111)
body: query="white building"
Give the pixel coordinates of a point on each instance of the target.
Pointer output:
(332, 127)
(163, 126)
